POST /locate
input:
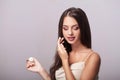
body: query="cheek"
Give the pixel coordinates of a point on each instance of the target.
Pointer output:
(78, 34)
(64, 33)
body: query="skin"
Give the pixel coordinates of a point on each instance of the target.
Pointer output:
(35, 66)
(71, 33)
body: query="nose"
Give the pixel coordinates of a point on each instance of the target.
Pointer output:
(70, 32)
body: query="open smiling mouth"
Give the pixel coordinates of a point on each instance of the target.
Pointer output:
(71, 38)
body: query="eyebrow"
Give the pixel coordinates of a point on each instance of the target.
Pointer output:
(75, 25)
(72, 25)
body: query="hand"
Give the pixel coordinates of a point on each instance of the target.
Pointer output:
(61, 49)
(34, 65)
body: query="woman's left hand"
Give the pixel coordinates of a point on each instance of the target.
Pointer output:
(61, 49)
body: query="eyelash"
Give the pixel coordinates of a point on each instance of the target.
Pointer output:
(75, 28)
(65, 28)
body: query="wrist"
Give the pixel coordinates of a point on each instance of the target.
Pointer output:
(43, 73)
(65, 61)
(40, 70)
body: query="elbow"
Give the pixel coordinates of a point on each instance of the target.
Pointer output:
(86, 78)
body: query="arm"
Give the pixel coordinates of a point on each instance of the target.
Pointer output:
(35, 66)
(68, 72)
(91, 68)
(64, 57)
(44, 74)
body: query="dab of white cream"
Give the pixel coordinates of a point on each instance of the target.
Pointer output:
(31, 59)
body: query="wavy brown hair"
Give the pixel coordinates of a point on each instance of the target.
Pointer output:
(81, 18)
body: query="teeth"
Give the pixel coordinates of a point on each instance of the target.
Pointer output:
(71, 38)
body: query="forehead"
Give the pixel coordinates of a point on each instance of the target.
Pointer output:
(69, 21)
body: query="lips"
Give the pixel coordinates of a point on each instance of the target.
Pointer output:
(71, 38)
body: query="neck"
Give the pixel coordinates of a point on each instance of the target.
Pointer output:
(78, 47)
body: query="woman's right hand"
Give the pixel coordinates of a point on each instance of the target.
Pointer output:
(61, 49)
(33, 65)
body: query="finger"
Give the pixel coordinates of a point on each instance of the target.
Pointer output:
(28, 66)
(62, 40)
(59, 40)
(27, 63)
(62, 47)
(30, 63)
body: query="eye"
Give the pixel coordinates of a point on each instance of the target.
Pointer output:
(65, 28)
(75, 27)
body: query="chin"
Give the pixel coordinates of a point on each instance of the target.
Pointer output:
(71, 42)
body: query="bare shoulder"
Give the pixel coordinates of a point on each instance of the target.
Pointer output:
(92, 66)
(94, 58)
(95, 55)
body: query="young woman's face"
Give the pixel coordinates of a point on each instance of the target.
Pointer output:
(71, 30)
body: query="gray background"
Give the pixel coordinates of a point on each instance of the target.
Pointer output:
(29, 28)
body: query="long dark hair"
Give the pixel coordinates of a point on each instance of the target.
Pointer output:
(81, 18)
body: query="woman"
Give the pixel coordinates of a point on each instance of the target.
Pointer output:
(74, 58)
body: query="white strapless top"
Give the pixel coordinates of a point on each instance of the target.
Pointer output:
(76, 69)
